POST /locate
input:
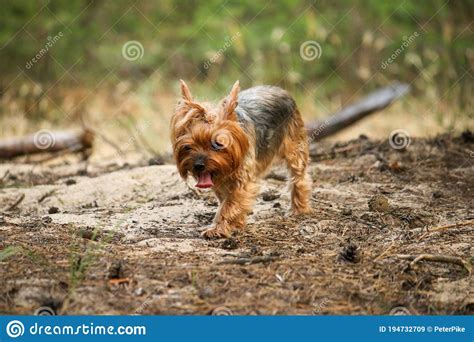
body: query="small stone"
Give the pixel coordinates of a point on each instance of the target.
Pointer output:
(270, 195)
(230, 244)
(71, 182)
(53, 210)
(379, 203)
(139, 292)
(155, 161)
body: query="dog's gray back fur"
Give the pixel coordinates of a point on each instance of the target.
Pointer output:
(268, 110)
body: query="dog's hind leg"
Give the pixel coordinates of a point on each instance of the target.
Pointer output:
(294, 150)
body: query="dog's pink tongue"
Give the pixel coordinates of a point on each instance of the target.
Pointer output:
(205, 180)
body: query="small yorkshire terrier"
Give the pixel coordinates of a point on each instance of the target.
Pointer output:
(229, 145)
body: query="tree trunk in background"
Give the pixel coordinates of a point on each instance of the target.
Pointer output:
(46, 141)
(372, 103)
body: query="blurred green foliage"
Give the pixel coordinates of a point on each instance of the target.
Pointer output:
(181, 37)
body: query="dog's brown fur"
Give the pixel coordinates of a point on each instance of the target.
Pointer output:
(226, 146)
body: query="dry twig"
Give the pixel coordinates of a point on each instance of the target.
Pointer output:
(46, 195)
(248, 261)
(436, 258)
(15, 204)
(446, 227)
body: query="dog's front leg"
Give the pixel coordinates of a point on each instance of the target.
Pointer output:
(236, 203)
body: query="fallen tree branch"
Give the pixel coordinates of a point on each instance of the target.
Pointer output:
(436, 258)
(46, 141)
(445, 227)
(248, 261)
(372, 103)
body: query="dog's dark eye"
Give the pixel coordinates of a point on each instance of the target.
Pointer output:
(216, 146)
(186, 148)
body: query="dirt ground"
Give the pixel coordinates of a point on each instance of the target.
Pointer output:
(125, 239)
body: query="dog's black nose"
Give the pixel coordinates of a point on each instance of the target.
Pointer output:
(199, 164)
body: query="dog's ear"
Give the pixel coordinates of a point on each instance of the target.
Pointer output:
(186, 112)
(231, 102)
(185, 93)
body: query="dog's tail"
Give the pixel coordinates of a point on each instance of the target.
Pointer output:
(345, 117)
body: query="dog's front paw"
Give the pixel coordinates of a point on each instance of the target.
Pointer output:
(216, 233)
(302, 211)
